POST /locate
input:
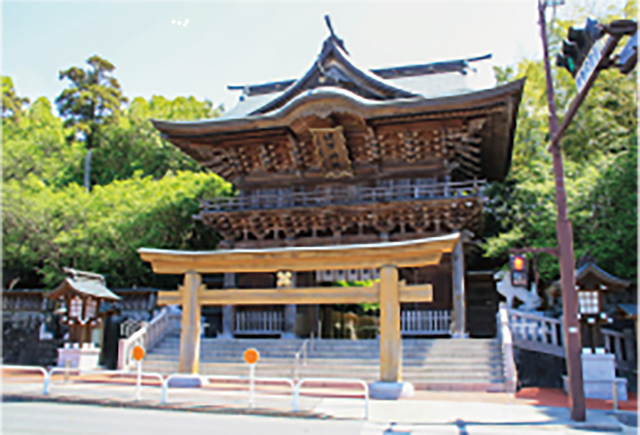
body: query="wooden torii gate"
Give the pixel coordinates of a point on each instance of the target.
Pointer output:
(388, 257)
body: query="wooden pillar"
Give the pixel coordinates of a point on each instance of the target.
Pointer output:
(190, 326)
(228, 311)
(290, 314)
(390, 340)
(458, 321)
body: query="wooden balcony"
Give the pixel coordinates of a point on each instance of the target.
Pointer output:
(344, 195)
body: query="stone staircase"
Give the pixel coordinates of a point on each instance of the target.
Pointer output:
(430, 364)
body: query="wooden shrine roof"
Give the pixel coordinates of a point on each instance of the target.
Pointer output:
(83, 286)
(269, 132)
(591, 270)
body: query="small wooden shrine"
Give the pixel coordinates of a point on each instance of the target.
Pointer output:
(598, 295)
(81, 293)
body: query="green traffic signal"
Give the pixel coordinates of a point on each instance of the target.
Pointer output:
(577, 46)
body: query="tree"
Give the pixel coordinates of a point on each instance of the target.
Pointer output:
(133, 144)
(11, 103)
(94, 99)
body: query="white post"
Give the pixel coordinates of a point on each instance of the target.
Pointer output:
(252, 371)
(139, 380)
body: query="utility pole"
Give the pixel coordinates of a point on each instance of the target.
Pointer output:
(584, 62)
(572, 342)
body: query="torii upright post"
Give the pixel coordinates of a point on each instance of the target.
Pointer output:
(390, 339)
(190, 325)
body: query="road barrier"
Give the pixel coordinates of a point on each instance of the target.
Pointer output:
(165, 380)
(45, 373)
(243, 379)
(296, 393)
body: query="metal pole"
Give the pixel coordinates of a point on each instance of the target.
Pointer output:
(139, 380)
(565, 246)
(252, 371)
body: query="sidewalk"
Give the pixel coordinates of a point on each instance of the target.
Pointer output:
(539, 408)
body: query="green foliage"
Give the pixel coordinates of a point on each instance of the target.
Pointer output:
(11, 102)
(136, 141)
(45, 229)
(94, 98)
(35, 145)
(146, 190)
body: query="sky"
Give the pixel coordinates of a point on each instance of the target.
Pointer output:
(248, 42)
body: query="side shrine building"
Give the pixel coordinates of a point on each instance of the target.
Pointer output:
(346, 155)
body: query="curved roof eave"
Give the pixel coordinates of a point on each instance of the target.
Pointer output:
(320, 97)
(331, 47)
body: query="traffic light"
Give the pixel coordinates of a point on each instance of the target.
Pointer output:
(629, 55)
(519, 270)
(577, 46)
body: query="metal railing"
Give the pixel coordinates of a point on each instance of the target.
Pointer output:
(45, 373)
(164, 381)
(165, 384)
(296, 362)
(147, 336)
(258, 322)
(344, 195)
(322, 381)
(429, 322)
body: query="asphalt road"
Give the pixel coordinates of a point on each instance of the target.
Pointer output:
(34, 418)
(65, 419)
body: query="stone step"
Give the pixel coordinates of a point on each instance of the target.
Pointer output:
(344, 347)
(339, 368)
(369, 376)
(356, 369)
(442, 362)
(344, 360)
(340, 342)
(436, 364)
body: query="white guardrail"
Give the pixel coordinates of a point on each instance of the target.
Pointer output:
(165, 380)
(301, 382)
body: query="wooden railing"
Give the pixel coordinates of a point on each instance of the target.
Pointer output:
(259, 322)
(432, 322)
(147, 336)
(536, 332)
(623, 346)
(506, 340)
(344, 195)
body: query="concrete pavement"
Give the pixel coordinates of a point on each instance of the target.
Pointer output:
(464, 413)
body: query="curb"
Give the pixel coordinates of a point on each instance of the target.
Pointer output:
(213, 409)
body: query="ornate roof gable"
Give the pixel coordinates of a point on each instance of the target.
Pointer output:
(333, 68)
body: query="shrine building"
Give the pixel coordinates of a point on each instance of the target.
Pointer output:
(348, 156)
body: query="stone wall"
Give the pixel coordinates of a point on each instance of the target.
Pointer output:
(21, 342)
(537, 369)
